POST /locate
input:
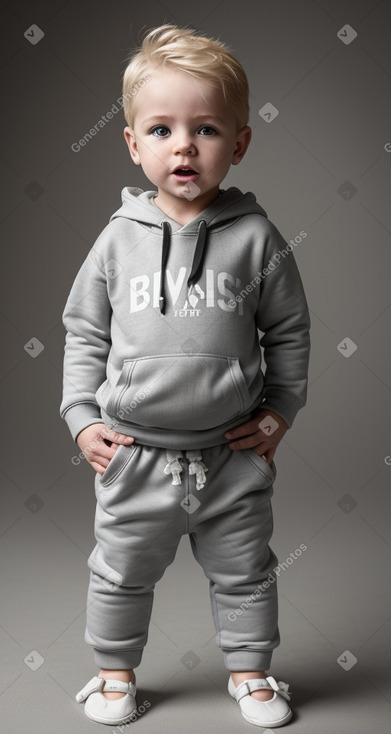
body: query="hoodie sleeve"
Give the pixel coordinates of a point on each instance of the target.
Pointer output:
(283, 316)
(87, 319)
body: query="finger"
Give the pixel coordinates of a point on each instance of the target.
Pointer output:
(119, 438)
(104, 456)
(243, 430)
(104, 453)
(268, 455)
(98, 467)
(247, 443)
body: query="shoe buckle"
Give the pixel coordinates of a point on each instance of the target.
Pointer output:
(248, 688)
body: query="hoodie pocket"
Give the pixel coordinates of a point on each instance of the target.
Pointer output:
(180, 391)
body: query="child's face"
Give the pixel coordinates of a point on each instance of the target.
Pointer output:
(182, 121)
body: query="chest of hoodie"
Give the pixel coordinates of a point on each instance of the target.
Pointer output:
(217, 311)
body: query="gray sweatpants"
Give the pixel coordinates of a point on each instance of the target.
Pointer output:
(147, 498)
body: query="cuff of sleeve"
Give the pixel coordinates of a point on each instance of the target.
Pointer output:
(282, 402)
(80, 416)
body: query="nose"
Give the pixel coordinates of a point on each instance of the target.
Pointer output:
(183, 144)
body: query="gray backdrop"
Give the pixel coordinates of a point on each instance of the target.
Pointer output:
(322, 166)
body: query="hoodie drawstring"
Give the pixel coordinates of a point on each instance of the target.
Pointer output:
(196, 466)
(196, 267)
(165, 251)
(199, 253)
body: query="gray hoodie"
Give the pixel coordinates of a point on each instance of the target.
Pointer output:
(162, 324)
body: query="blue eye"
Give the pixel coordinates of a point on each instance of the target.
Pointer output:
(157, 134)
(159, 127)
(208, 127)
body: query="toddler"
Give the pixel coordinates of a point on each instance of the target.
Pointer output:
(164, 390)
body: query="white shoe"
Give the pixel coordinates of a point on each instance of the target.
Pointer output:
(99, 708)
(272, 713)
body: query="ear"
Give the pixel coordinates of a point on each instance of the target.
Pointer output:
(131, 142)
(243, 139)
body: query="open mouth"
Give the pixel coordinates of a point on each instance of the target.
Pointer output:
(185, 173)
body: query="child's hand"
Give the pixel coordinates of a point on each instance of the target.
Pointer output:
(92, 440)
(263, 441)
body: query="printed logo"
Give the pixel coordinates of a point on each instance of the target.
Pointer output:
(194, 295)
(216, 292)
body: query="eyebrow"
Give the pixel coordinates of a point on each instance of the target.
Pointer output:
(171, 117)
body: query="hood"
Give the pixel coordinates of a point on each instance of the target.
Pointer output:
(138, 205)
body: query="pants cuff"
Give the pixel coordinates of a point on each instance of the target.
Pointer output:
(237, 661)
(120, 660)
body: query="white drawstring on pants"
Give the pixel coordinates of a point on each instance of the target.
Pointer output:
(196, 466)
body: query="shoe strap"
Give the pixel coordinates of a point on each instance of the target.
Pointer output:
(121, 686)
(97, 684)
(248, 686)
(255, 684)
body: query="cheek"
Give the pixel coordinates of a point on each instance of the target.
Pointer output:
(154, 165)
(221, 155)
(153, 154)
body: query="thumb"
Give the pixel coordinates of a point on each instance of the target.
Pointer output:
(268, 455)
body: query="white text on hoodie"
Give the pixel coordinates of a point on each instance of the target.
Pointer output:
(143, 289)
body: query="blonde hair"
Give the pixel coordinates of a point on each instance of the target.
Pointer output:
(181, 49)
